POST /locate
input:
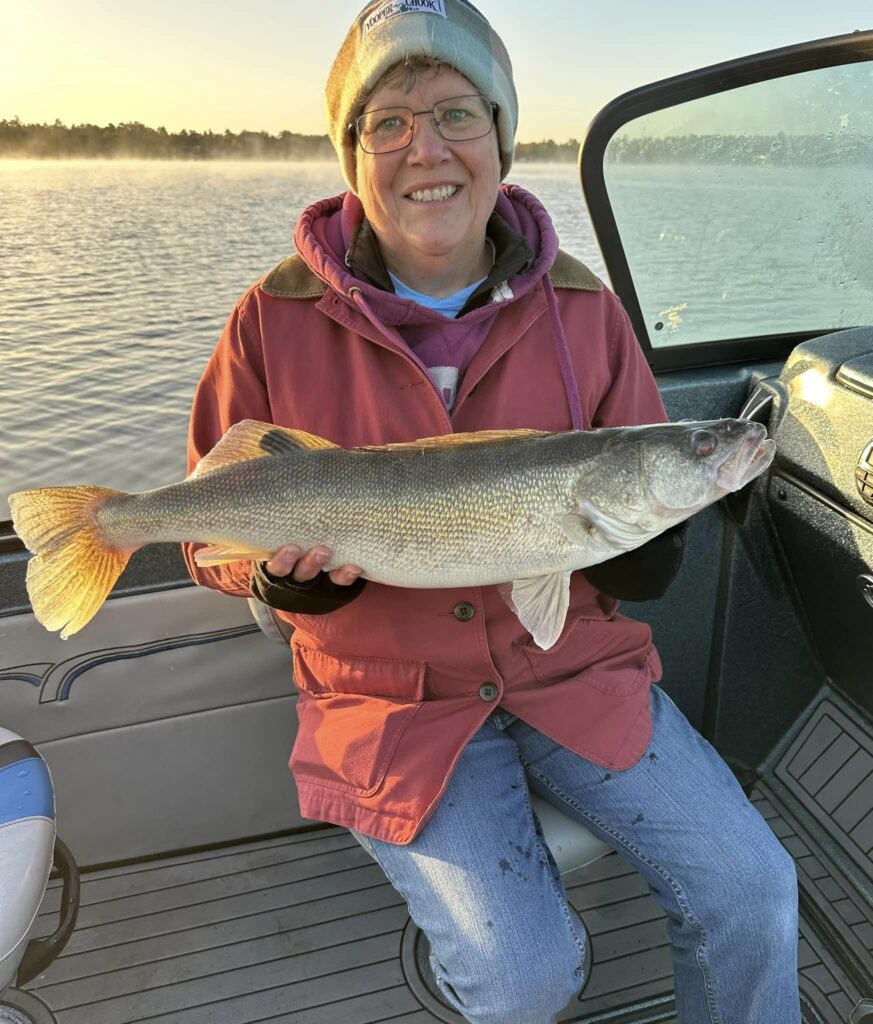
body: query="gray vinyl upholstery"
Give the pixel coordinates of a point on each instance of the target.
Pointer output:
(167, 723)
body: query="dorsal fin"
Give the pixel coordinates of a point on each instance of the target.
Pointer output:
(251, 439)
(457, 440)
(283, 441)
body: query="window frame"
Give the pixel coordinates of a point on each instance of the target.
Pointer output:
(834, 51)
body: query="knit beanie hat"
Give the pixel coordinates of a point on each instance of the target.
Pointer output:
(388, 31)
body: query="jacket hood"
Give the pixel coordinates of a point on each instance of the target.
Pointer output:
(326, 229)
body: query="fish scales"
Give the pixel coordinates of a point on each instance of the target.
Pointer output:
(521, 508)
(400, 515)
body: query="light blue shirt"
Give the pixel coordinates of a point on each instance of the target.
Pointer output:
(448, 305)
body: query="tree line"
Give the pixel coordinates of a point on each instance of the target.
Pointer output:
(778, 150)
(133, 140)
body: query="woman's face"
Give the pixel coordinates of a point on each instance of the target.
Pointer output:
(410, 227)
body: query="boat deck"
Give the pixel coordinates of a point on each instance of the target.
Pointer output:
(306, 929)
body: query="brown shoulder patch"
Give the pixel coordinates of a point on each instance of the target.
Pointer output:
(292, 279)
(568, 272)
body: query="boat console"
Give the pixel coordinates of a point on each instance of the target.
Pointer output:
(820, 494)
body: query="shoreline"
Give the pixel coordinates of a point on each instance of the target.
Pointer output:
(82, 158)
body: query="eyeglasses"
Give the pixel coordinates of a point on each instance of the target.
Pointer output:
(457, 120)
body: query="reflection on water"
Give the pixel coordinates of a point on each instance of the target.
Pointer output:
(116, 279)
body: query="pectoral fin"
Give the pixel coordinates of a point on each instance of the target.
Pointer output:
(618, 534)
(578, 529)
(218, 554)
(541, 605)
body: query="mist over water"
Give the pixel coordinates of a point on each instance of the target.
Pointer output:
(116, 278)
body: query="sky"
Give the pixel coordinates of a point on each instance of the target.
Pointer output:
(261, 65)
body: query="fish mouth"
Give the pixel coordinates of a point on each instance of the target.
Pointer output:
(748, 460)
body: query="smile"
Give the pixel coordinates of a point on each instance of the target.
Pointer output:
(433, 195)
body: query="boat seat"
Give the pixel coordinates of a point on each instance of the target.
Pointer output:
(573, 846)
(27, 844)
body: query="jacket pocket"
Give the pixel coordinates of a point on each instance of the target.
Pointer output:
(319, 673)
(352, 714)
(611, 653)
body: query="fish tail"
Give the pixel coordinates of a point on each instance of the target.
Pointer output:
(74, 569)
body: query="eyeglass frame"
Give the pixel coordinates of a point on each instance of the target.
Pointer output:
(353, 125)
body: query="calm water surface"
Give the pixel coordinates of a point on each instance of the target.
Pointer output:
(116, 278)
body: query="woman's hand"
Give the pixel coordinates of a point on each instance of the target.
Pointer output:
(291, 559)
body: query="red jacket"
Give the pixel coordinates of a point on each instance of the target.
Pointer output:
(390, 683)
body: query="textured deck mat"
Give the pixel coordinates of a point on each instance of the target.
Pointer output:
(305, 930)
(832, 981)
(829, 768)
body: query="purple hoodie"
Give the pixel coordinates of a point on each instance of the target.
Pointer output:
(322, 238)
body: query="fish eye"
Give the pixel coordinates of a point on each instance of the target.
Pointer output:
(703, 442)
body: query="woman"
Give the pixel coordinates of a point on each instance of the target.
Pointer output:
(426, 300)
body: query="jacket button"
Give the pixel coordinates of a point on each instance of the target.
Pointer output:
(488, 691)
(464, 611)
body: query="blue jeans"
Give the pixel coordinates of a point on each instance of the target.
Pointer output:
(508, 949)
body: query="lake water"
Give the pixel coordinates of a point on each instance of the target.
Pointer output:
(116, 278)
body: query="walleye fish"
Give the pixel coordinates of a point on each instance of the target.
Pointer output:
(521, 508)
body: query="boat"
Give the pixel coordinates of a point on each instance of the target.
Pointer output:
(732, 209)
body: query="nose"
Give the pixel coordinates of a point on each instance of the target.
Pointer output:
(427, 145)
